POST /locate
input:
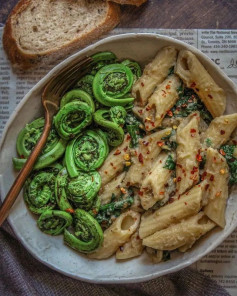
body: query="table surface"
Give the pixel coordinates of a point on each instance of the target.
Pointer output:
(183, 14)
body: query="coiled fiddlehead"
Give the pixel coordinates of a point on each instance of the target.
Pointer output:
(85, 83)
(118, 115)
(111, 85)
(78, 96)
(54, 222)
(87, 152)
(79, 191)
(28, 137)
(108, 120)
(102, 59)
(39, 193)
(134, 67)
(87, 235)
(72, 119)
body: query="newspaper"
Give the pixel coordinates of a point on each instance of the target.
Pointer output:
(221, 47)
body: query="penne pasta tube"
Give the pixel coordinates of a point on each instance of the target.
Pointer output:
(153, 186)
(186, 205)
(113, 187)
(117, 234)
(195, 76)
(219, 131)
(115, 162)
(145, 155)
(187, 166)
(130, 249)
(184, 233)
(154, 74)
(216, 174)
(161, 101)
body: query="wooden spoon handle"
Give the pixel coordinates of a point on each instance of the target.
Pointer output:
(25, 171)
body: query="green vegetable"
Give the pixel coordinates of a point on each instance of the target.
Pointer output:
(79, 191)
(86, 152)
(188, 103)
(54, 222)
(134, 67)
(72, 118)
(27, 139)
(85, 83)
(77, 95)
(170, 164)
(231, 161)
(111, 85)
(208, 142)
(112, 210)
(106, 119)
(102, 59)
(132, 125)
(87, 234)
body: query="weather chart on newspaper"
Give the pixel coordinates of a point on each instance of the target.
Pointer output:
(221, 47)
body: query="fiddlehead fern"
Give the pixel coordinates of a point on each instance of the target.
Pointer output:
(134, 67)
(78, 96)
(54, 222)
(111, 85)
(85, 83)
(79, 191)
(87, 235)
(28, 137)
(104, 117)
(87, 152)
(39, 193)
(118, 115)
(102, 59)
(72, 118)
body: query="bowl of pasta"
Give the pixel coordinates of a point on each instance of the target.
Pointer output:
(138, 175)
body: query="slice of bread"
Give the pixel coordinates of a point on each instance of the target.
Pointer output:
(130, 2)
(42, 30)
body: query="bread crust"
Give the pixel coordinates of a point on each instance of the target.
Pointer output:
(23, 60)
(130, 2)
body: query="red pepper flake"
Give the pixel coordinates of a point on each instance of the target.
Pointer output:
(212, 178)
(170, 113)
(192, 130)
(204, 175)
(145, 143)
(128, 137)
(115, 168)
(171, 200)
(179, 196)
(207, 186)
(71, 211)
(179, 179)
(142, 84)
(193, 84)
(140, 111)
(161, 193)
(140, 158)
(185, 203)
(106, 172)
(160, 143)
(137, 237)
(148, 152)
(184, 105)
(148, 108)
(22, 156)
(222, 152)
(210, 96)
(167, 86)
(125, 149)
(140, 193)
(152, 123)
(117, 152)
(179, 165)
(199, 157)
(222, 132)
(197, 89)
(234, 142)
(111, 164)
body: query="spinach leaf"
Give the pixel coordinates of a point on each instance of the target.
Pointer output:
(170, 164)
(231, 161)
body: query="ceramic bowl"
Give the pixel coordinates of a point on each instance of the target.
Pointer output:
(50, 250)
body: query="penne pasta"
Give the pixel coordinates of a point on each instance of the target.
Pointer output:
(219, 131)
(114, 163)
(184, 233)
(187, 166)
(147, 152)
(117, 234)
(130, 249)
(161, 101)
(195, 76)
(154, 74)
(153, 186)
(186, 205)
(216, 174)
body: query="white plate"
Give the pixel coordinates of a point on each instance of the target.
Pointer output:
(50, 250)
